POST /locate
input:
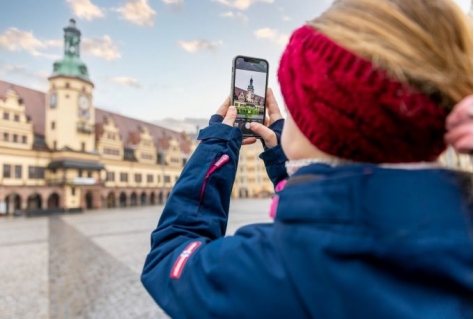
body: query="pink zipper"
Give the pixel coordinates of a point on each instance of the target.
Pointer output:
(223, 160)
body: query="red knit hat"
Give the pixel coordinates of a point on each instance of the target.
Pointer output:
(348, 108)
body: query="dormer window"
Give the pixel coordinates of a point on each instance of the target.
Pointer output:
(67, 85)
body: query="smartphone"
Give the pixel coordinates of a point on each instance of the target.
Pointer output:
(249, 92)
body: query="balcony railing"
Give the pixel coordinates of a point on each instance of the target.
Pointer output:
(76, 181)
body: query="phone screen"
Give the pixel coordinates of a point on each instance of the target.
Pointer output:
(249, 87)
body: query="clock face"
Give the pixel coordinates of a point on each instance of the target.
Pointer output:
(84, 102)
(53, 100)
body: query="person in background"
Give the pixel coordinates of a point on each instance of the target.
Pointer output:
(367, 224)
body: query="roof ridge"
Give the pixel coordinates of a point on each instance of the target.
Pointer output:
(22, 86)
(135, 119)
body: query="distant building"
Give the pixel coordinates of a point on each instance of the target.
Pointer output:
(251, 180)
(248, 97)
(60, 152)
(452, 159)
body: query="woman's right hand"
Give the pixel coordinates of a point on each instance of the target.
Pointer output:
(270, 135)
(459, 127)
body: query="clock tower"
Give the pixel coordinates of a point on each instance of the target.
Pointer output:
(70, 114)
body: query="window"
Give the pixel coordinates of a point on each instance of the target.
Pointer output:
(149, 178)
(15, 138)
(67, 85)
(35, 172)
(167, 179)
(73, 191)
(138, 178)
(53, 125)
(159, 159)
(158, 179)
(7, 173)
(16, 118)
(111, 151)
(147, 156)
(89, 174)
(6, 136)
(23, 139)
(6, 116)
(18, 173)
(55, 145)
(184, 161)
(123, 177)
(110, 177)
(83, 146)
(176, 179)
(79, 172)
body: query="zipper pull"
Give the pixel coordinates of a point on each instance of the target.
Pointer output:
(224, 159)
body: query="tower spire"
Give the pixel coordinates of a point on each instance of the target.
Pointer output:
(71, 64)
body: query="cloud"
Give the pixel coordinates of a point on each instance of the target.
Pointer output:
(175, 3)
(14, 40)
(101, 47)
(85, 9)
(272, 35)
(199, 45)
(54, 43)
(23, 71)
(286, 18)
(138, 12)
(238, 15)
(128, 81)
(241, 4)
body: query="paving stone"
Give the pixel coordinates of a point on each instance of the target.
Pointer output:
(87, 265)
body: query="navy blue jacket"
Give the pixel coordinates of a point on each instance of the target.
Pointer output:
(357, 241)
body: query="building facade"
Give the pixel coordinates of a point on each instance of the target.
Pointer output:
(251, 180)
(58, 152)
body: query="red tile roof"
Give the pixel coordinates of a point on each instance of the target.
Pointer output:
(35, 105)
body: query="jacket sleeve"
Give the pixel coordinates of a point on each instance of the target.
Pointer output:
(199, 203)
(275, 160)
(241, 276)
(191, 270)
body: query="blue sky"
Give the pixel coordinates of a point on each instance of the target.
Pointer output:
(151, 59)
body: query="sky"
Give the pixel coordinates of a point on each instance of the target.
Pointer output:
(242, 80)
(151, 59)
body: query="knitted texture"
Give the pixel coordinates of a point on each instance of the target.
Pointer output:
(350, 109)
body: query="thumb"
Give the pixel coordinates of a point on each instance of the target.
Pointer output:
(230, 117)
(268, 136)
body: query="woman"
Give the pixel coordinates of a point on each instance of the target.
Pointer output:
(368, 225)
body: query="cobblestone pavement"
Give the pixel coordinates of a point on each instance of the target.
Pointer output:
(87, 265)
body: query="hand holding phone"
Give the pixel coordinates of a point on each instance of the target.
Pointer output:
(270, 135)
(248, 92)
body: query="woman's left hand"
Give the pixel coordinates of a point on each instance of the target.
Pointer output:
(459, 127)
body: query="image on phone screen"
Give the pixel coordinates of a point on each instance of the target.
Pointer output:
(249, 92)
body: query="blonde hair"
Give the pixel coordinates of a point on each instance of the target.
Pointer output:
(425, 43)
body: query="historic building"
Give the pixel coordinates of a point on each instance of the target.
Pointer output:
(59, 152)
(248, 97)
(251, 180)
